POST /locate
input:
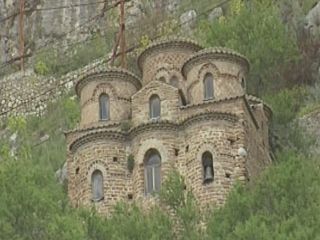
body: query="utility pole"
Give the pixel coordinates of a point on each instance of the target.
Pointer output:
(121, 39)
(21, 34)
(123, 36)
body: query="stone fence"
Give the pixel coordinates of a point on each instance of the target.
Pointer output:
(29, 94)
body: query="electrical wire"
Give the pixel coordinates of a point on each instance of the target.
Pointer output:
(39, 50)
(132, 48)
(52, 8)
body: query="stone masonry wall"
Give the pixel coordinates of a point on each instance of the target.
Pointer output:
(233, 127)
(119, 92)
(214, 136)
(108, 156)
(30, 94)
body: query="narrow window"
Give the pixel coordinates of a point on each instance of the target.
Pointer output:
(104, 106)
(152, 170)
(207, 164)
(208, 86)
(243, 83)
(155, 107)
(97, 185)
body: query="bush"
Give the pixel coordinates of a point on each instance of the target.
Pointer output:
(286, 104)
(57, 62)
(282, 205)
(255, 30)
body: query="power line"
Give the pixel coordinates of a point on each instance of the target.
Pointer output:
(52, 8)
(39, 50)
(132, 48)
(128, 50)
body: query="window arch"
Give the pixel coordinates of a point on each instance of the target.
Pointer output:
(152, 170)
(104, 107)
(207, 165)
(154, 106)
(208, 86)
(97, 185)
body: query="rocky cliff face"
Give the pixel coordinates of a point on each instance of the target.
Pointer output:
(47, 21)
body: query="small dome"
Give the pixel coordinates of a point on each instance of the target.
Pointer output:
(170, 43)
(215, 53)
(107, 72)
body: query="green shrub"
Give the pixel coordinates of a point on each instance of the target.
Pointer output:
(130, 163)
(57, 62)
(286, 104)
(282, 205)
(41, 68)
(257, 31)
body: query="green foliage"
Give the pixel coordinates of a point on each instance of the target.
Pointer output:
(183, 203)
(41, 68)
(257, 32)
(129, 222)
(282, 205)
(57, 62)
(309, 109)
(286, 104)
(130, 163)
(126, 126)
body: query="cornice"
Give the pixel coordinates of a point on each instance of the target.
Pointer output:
(95, 126)
(164, 44)
(109, 73)
(231, 117)
(100, 132)
(266, 106)
(154, 125)
(217, 53)
(96, 135)
(211, 102)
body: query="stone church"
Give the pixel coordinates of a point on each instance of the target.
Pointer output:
(189, 110)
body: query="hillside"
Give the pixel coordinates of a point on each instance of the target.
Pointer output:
(281, 39)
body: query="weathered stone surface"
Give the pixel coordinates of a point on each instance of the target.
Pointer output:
(62, 174)
(311, 124)
(29, 94)
(313, 20)
(188, 19)
(215, 14)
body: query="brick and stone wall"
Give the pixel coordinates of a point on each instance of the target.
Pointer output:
(118, 84)
(30, 94)
(232, 126)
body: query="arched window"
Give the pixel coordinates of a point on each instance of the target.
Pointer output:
(104, 106)
(208, 86)
(174, 81)
(207, 164)
(155, 108)
(97, 185)
(152, 169)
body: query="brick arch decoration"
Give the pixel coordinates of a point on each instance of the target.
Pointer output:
(162, 72)
(217, 167)
(152, 144)
(96, 165)
(167, 71)
(106, 88)
(206, 68)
